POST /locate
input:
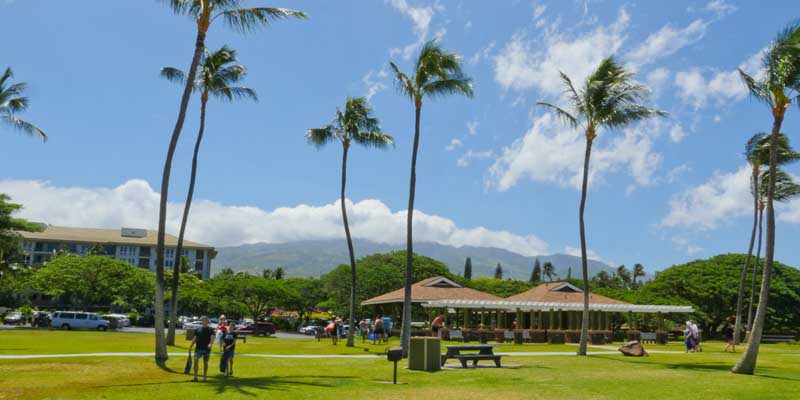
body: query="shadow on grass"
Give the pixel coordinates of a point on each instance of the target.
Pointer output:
(247, 386)
(722, 367)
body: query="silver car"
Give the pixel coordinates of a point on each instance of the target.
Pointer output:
(78, 320)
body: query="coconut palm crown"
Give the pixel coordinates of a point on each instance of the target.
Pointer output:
(13, 101)
(356, 124)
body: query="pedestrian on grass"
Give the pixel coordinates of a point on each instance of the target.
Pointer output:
(687, 334)
(437, 325)
(202, 341)
(728, 332)
(222, 328)
(229, 347)
(696, 337)
(378, 329)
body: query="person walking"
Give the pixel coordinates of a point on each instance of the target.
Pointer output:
(436, 325)
(687, 334)
(229, 347)
(728, 332)
(696, 337)
(363, 329)
(378, 329)
(330, 329)
(202, 343)
(222, 328)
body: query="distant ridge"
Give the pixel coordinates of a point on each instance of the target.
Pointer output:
(317, 257)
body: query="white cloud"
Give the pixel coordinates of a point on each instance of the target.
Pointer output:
(720, 8)
(538, 10)
(591, 254)
(675, 173)
(421, 18)
(524, 64)
(720, 88)
(552, 153)
(666, 41)
(706, 206)
(472, 128)
(656, 79)
(135, 204)
(454, 144)
(466, 158)
(686, 245)
(482, 54)
(374, 82)
(676, 133)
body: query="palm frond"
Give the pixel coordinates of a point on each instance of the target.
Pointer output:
(785, 187)
(14, 105)
(321, 136)
(246, 20)
(571, 92)
(757, 89)
(24, 126)
(621, 117)
(173, 75)
(562, 114)
(375, 139)
(235, 93)
(7, 74)
(449, 86)
(403, 84)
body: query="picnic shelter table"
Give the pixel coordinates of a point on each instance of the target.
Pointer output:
(474, 353)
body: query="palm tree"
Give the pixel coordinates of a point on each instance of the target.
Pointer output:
(780, 83)
(757, 153)
(216, 73)
(437, 73)
(549, 270)
(785, 190)
(13, 101)
(638, 272)
(355, 125)
(623, 276)
(608, 99)
(204, 13)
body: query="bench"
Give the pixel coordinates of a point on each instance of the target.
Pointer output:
(526, 336)
(776, 338)
(477, 357)
(455, 334)
(647, 337)
(508, 337)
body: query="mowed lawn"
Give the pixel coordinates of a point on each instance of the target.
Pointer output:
(660, 376)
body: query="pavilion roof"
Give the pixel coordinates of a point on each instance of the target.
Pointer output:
(434, 288)
(560, 292)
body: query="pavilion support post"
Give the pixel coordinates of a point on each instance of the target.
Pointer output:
(539, 320)
(550, 319)
(520, 324)
(561, 319)
(532, 317)
(483, 319)
(466, 318)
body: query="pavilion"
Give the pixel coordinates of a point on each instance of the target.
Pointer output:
(553, 306)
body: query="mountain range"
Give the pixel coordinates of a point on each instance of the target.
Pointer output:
(312, 258)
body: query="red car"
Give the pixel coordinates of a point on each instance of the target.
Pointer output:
(261, 328)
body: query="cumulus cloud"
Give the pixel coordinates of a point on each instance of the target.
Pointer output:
(524, 63)
(666, 41)
(135, 204)
(720, 87)
(706, 206)
(553, 153)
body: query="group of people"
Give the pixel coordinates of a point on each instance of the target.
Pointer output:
(692, 335)
(377, 330)
(204, 338)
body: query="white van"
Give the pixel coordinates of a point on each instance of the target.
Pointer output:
(78, 320)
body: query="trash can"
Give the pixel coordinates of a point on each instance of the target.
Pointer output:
(190, 334)
(425, 354)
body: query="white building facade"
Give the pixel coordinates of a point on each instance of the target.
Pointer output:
(136, 246)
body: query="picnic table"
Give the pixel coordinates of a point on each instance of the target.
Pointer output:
(474, 353)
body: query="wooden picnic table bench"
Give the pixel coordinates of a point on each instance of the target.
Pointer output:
(474, 353)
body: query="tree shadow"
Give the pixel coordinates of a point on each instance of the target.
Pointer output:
(724, 367)
(247, 386)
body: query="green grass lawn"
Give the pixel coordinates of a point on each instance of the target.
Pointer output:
(661, 376)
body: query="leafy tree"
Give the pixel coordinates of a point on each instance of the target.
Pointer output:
(549, 271)
(776, 88)
(536, 274)
(355, 125)
(304, 294)
(13, 101)
(437, 73)
(216, 75)
(468, 269)
(609, 99)
(500, 287)
(9, 238)
(498, 271)
(569, 273)
(227, 271)
(604, 280)
(623, 276)
(757, 152)
(96, 281)
(16, 286)
(204, 13)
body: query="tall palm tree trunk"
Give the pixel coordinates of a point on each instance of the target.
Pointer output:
(747, 364)
(406, 333)
(161, 345)
(743, 278)
(584, 262)
(176, 269)
(755, 271)
(351, 331)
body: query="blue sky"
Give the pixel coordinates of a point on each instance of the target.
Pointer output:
(493, 170)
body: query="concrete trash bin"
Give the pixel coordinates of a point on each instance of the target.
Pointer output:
(425, 354)
(190, 334)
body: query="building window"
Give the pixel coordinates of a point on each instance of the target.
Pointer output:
(198, 255)
(128, 251)
(198, 265)
(144, 251)
(27, 247)
(144, 263)
(83, 249)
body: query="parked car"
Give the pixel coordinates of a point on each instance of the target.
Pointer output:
(261, 328)
(41, 319)
(122, 320)
(310, 329)
(78, 320)
(14, 318)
